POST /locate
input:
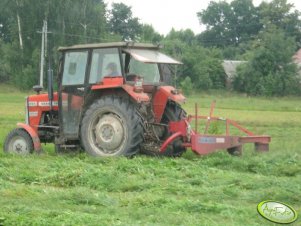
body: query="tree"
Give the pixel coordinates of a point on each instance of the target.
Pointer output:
(229, 24)
(270, 70)
(186, 36)
(202, 65)
(122, 22)
(4, 67)
(282, 15)
(71, 22)
(149, 34)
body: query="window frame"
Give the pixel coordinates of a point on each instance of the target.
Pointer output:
(118, 51)
(85, 71)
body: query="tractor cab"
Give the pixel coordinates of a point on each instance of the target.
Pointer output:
(90, 64)
(94, 70)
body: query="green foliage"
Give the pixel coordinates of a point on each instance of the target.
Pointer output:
(229, 23)
(240, 21)
(270, 70)
(214, 128)
(149, 34)
(71, 22)
(282, 15)
(187, 86)
(186, 36)
(122, 22)
(231, 26)
(4, 67)
(202, 65)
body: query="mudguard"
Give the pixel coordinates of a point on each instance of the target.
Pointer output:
(34, 136)
(118, 82)
(163, 94)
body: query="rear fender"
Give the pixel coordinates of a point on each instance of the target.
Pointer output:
(34, 136)
(162, 96)
(136, 96)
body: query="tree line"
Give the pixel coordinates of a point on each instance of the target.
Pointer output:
(264, 36)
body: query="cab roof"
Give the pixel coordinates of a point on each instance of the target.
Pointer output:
(112, 45)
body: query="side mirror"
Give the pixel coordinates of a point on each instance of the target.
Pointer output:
(37, 89)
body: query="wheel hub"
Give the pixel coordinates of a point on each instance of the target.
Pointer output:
(18, 145)
(109, 132)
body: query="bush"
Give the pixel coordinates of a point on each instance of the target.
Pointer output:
(204, 66)
(187, 86)
(269, 70)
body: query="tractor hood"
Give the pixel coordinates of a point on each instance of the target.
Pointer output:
(151, 56)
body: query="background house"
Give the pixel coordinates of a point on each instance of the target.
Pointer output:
(230, 70)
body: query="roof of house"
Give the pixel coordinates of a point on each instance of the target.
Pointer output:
(230, 67)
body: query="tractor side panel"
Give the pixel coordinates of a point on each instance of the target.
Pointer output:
(37, 104)
(161, 97)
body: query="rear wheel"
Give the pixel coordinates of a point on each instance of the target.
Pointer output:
(111, 127)
(18, 141)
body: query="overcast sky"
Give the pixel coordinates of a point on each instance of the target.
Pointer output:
(167, 14)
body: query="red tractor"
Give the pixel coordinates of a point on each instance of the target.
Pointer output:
(112, 100)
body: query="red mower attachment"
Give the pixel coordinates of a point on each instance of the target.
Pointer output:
(205, 143)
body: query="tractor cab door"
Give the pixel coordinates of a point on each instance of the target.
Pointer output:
(71, 92)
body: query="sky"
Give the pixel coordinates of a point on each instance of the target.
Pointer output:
(164, 15)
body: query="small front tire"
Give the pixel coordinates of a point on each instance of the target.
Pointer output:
(18, 141)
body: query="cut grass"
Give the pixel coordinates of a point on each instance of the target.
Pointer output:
(217, 189)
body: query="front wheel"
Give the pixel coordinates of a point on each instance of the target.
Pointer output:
(18, 141)
(111, 127)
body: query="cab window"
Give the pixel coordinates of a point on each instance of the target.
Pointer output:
(75, 68)
(105, 63)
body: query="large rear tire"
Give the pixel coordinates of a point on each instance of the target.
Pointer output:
(111, 127)
(18, 141)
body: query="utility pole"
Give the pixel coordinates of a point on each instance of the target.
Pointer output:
(45, 39)
(42, 55)
(44, 33)
(19, 27)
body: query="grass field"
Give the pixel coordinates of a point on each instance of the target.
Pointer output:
(217, 189)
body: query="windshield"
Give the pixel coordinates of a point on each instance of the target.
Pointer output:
(149, 72)
(149, 64)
